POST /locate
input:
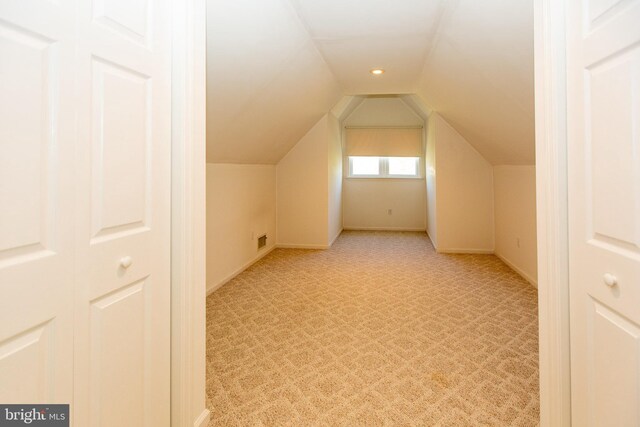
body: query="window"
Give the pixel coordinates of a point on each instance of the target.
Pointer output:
(384, 152)
(384, 167)
(365, 166)
(403, 166)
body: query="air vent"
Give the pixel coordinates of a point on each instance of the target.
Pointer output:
(262, 241)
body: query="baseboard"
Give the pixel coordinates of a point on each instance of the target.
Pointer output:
(383, 229)
(518, 270)
(203, 419)
(433, 242)
(300, 246)
(335, 238)
(465, 251)
(306, 246)
(215, 287)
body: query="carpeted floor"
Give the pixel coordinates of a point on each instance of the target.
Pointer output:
(377, 330)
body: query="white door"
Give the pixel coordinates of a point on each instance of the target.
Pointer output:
(36, 201)
(122, 345)
(84, 208)
(604, 210)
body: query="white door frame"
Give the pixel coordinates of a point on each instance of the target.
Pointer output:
(551, 193)
(188, 224)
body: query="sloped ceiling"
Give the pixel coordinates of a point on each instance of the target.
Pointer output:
(355, 36)
(276, 66)
(479, 77)
(267, 84)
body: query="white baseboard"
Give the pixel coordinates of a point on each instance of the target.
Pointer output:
(300, 246)
(308, 246)
(383, 229)
(518, 270)
(216, 286)
(335, 238)
(203, 419)
(433, 242)
(465, 251)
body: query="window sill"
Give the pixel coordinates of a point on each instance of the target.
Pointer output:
(386, 178)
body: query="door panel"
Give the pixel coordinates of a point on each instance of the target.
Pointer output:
(603, 59)
(120, 142)
(122, 307)
(27, 366)
(28, 65)
(612, 103)
(36, 196)
(600, 11)
(614, 376)
(119, 320)
(128, 17)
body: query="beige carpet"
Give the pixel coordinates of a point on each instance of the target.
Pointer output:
(378, 330)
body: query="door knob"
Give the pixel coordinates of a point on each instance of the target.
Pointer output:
(126, 261)
(610, 280)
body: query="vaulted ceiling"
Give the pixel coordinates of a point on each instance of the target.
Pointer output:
(276, 66)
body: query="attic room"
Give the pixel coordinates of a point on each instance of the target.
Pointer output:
(371, 213)
(295, 212)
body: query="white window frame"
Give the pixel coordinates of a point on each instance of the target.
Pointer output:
(384, 170)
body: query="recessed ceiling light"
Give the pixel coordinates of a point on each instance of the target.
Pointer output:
(377, 71)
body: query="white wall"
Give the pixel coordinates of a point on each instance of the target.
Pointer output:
(430, 176)
(515, 218)
(464, 192)
(303, 191)
(241, 205)
(383, 111)
(335, 177)
(366, 201)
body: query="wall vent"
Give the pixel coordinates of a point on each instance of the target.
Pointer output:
(262, 241)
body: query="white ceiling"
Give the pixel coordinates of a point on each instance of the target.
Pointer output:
(355, 36)
(479, 77)
(267, 84)
(276, 66)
